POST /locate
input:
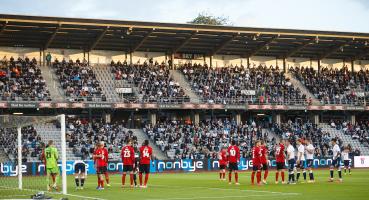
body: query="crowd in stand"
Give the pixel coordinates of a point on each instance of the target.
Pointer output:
(21, 80)
(153, 81)
(358, 131)
(31, 141)
(84, 134)
(78, 80)
(233, 84)
(334, 86)
(299, 129)
(186, 140)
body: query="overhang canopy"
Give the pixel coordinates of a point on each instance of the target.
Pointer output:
(130, 36)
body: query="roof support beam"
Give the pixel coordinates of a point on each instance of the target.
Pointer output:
(138, 45)
(332, 50)
(98, 39)
(186, 41)
(299, 48)
(52, 36)
(261, 47)
(3, 27)
(224, 44)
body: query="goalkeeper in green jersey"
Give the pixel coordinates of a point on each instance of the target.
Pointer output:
(50, 157)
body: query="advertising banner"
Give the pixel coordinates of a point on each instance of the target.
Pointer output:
(361, 161)
(159, 166)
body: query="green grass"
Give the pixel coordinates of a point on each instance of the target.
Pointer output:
(188, 186)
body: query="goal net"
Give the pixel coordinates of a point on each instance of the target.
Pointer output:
(23, 140)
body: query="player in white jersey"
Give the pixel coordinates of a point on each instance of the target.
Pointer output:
(346, 159)
(336, 160)
(291, 162)
(80, 173)
(300, 159)
(309, 151)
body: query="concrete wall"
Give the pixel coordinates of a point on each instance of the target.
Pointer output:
(19, 52)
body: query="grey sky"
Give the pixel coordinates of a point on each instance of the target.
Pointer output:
(335, 15)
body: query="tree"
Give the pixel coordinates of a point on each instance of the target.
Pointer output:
(204, 18)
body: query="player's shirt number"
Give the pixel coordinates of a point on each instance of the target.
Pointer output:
(127, 153)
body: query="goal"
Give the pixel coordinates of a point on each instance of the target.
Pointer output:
(22, 142)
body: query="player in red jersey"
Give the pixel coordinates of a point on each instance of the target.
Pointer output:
(233, 159)
(280, 158)
(101, 164)
(223, 161)
(256, 163)
(106, 174)
(264, 160)
(128, 158)
(145, 158)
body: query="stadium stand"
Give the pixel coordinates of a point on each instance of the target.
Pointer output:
(21, 80)
(78, 80)
(239, 85)
(334, 86)
(153, 81)
(181, 140)
(84, 134)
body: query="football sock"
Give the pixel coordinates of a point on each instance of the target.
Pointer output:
(230, 177)
(82, 182)
(339, 173)
(253, 177)
(276, 176)
(140, 177)
(220, 175)
(331, 172)
(131, 179)
(297, 176)
(107, 177)
(76, 179)
(224, 175)
(236, 177)
(266, 174)
(102, 182)
(311, 175)
(304, 174)
(282, 174)
(135, 179)
(124, 179)
(146, 178)
(258, 176)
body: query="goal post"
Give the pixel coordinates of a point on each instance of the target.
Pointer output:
(21, 172)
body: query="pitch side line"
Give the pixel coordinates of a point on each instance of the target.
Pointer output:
(73, 195)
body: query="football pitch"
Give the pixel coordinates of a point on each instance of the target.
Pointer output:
(191, 186)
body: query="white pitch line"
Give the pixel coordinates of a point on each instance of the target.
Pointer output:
(86, 197)
(73, 195)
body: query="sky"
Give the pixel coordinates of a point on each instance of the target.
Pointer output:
(330, 15)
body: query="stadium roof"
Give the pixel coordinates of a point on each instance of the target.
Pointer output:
(131, 36)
